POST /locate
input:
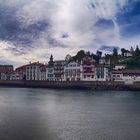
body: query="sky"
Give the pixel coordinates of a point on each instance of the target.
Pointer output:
(32, 30)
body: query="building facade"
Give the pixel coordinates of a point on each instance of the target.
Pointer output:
(33, 71)
(119, 67)
(72, 71)
(20, 73)
(102, 73)
(59, 70)
(127, 76)
(50, 70)
(7, 72)
(117, 75)
(88, 73)
(43, 73)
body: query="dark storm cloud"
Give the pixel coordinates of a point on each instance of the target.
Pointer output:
(108, 48)
(65, 35)
(35, 28)
(11, 29)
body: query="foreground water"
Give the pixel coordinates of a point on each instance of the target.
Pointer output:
(42, 114)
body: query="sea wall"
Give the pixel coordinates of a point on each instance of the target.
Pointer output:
(94, 85)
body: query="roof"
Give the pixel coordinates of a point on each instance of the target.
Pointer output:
(6, 65)
(43, 68)
(102, 65)
(117, 72)
(35, 64)
(59, 61)
(126, 71)
(72, 62)
(120, 65)
(131, 71)
(6, 68)
(21, 67)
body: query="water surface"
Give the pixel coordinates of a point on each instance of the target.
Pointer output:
(42, 114)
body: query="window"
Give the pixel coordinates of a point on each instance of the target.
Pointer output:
(118, 75)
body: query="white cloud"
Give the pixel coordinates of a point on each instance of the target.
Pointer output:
(77, 18)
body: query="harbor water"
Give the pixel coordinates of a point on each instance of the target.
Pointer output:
(46, 114)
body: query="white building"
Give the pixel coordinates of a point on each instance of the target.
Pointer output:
(127, 76)
(131, 76)
(102, 73)
(8, 76)
(33, 71)
(127, 53)
(119, 67)
(117, 75)
(43, 73)
(72, 71)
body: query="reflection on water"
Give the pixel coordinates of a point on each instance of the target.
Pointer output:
(42, 114)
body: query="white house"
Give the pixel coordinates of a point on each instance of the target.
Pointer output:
(102, 73)
(131, 76)
(127, 76)
(117, 75)
(119, 67)
(72, 71)
(33, 71)
(43, 73)
(127, 53)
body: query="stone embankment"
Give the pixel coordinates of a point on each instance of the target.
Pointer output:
(109, 85)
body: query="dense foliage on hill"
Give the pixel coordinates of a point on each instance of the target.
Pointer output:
(131, 62)
(134, 61)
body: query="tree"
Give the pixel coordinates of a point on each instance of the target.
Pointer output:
(115, 52)
(123, 51)
(137, 52)
(115, 57)
(108, 56)
(134, 62)
(132, 50)
(80, 54)
(88, 53)
(99, 54)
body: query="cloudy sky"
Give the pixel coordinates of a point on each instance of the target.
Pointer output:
(31, 30)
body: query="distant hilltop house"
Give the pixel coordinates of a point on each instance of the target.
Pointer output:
(119, 67)
(127, 53)
(104, 61)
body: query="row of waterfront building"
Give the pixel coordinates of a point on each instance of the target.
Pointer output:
(69, 70)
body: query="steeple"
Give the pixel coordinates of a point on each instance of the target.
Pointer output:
(51, 58)
(51, 63)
